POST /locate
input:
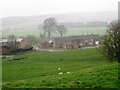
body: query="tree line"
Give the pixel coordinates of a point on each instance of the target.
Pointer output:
(81, 24)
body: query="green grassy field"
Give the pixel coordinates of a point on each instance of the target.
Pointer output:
(71, 31)
(87, 69)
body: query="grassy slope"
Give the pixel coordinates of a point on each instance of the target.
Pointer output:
(87, 66)
(71, 31)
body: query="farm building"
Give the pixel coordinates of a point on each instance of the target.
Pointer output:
(6, 45)
(21, 43)
(71, 42)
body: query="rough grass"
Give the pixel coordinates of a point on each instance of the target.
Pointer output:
(87, 67)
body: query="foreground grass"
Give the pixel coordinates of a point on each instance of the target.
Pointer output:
(87, 67)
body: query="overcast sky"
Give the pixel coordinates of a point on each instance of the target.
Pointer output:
(42, 7)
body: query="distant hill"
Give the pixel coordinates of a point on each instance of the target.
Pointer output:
(32, 22)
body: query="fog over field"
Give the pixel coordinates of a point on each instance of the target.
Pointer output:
(32, 22)
(28, 14)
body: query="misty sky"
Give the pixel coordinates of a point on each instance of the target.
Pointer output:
(43, 7)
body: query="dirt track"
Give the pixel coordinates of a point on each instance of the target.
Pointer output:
(53, 50)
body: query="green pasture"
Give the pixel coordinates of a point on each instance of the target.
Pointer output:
(87, 69)
(70, 32)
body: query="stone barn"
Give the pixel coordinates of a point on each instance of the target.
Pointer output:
(71, 42)
(21, 43)
(6, 48)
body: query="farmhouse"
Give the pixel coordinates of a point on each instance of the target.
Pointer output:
(71, 42)
(6, 45)
(21, 43)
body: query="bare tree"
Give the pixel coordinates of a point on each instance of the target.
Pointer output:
(12, 42)
(61, 30)
(49, 26)
(31, 40)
